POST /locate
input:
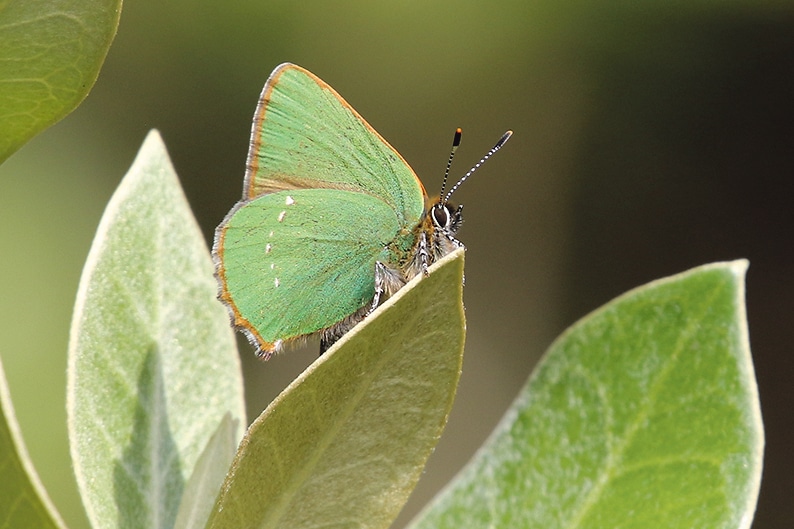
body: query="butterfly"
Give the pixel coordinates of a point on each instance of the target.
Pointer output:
(332, 221)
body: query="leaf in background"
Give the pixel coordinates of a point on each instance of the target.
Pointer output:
(346, 442)
(50, 55)
(153, 365)
(203, 486)
(23, 501)
(643, 414)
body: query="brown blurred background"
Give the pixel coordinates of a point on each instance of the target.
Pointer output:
(650, 137)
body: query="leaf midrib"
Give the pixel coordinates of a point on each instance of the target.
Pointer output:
(615, 456)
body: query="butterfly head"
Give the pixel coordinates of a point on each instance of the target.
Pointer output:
(446, 217)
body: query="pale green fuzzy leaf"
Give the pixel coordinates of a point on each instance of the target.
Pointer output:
(50, 55)
(153, 366)
(643, 414)
(23, 500)
(205, 483)
(346, 442)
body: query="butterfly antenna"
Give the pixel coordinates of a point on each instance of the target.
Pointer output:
(455, 145)
(499, 144)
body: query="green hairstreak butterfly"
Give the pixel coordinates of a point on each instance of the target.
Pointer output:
(332, 220)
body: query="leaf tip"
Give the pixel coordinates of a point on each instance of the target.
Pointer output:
(153, 146)
(738, 267)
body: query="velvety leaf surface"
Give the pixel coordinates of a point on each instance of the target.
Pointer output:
(643, 414)
(153, 366)
(203, 486)
(23, 501)
(345, 443)
(50, 55)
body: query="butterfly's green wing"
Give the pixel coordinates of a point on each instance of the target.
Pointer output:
(295, 262)
(306, 136)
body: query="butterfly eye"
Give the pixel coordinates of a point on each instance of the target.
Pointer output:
(441, 215)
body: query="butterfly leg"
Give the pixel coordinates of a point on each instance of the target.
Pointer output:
(424, 257)
(387, 282)
(380, 286)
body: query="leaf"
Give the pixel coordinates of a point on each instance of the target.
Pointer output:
(643, 414)
(153, 366)
(346, 442)
(23, 500)
(50, 55)
(203, 486)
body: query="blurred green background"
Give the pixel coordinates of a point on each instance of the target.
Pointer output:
(650, 137)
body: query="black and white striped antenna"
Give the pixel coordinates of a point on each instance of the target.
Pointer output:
(455, 144)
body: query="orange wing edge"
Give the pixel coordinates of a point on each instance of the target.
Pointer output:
(252, 162)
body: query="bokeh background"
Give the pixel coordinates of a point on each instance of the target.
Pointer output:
(650, 137)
